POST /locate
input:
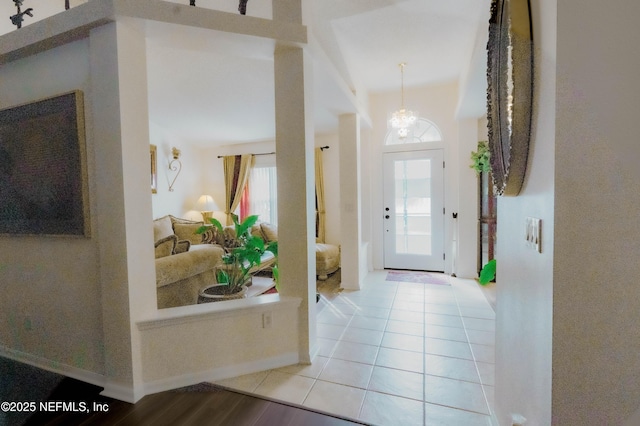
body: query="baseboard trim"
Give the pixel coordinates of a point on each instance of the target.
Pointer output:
(121, 392)
(111, 389)
(53, 366)
(220, 373)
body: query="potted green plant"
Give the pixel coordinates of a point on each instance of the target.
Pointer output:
(480, 158)
(234, 276)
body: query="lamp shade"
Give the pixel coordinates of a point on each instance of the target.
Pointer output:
(206, 203)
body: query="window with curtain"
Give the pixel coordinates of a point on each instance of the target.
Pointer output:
(261, 192)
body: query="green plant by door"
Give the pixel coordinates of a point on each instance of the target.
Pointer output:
(480, 159)
(488, 272)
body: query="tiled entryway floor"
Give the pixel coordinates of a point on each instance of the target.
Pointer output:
(395, 353)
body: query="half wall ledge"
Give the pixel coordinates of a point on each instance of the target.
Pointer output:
(207, 311)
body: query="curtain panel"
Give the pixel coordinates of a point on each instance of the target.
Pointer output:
(320, 208)
(236, 174)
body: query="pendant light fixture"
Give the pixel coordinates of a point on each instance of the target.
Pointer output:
(402, 120)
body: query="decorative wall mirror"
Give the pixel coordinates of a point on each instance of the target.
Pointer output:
(510, 92)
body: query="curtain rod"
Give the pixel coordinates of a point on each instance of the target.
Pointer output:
(262, 153)
(322, 148)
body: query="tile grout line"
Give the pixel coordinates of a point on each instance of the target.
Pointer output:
(329, 357)
(458, 293)
(424, 359)
(377, 354)
(475, 359)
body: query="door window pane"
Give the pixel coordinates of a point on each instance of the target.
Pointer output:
(413, 206)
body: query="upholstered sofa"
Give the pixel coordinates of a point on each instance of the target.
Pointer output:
(327, 255)
(186, 261)
(184, 264)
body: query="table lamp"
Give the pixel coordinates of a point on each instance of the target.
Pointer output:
(207, 206)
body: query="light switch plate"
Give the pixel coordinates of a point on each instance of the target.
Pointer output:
(533, 233)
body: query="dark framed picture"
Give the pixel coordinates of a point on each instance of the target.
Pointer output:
(43, 171)
(154, 169)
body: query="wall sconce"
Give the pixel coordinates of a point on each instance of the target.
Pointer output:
(175, 165)
(207, 205)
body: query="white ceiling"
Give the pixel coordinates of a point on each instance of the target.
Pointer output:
(208, 87)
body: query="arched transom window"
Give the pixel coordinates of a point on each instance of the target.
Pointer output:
(423, 131)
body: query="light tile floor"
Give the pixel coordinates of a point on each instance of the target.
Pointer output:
(395, 353)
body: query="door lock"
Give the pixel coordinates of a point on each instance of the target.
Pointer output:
(386, 217)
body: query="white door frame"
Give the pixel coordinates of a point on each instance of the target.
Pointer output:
(433, 259)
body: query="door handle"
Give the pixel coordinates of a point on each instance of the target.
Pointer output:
(386, 216)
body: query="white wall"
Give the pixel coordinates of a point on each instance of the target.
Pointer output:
(189, 184)
(567, 321)
(50, 305)
(596, 309)
(526, 278)
(212, 342)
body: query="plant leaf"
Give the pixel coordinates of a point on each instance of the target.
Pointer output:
(215, 222)
(202, 229)
(223, 277)
(488, 272)
(273, 248)
(242, 228)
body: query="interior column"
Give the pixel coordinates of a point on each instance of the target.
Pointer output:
(296, 187)
(354, 264)
(121, 128)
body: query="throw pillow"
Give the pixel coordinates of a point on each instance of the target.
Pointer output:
(165, 246)
(256, 231)
(230, 240)
(162, 228)
(213, 236)
(187, 231)
(175, 220)
(181, 246)
(270, 231)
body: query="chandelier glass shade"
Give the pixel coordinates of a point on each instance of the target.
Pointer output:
(402, 120)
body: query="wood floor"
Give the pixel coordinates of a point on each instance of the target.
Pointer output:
(202, 404)
(190, 406)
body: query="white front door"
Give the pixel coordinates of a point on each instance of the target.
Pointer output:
(414, 210)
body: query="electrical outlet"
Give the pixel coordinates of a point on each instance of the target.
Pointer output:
(266, 320)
